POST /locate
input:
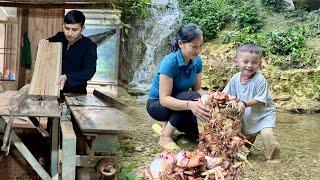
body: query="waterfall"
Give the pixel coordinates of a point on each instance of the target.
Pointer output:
(166, 18)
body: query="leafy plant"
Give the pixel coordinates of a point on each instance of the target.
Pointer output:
(211, 15)
(300, 15)
(140, 8)
(303, 58)
(247, 18)
(285, 41)
(131, 8)
(244, 37)
(276, 5)
(127, 172)
(279, 61)
(134, 8)
(228, 36)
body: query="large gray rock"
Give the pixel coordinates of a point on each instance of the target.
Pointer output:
(307, 4)
(148, 42)
(289, 4)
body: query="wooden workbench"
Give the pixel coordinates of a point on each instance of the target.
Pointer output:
(95, 116)
(100, 123)
(33, 108)
(47, 108)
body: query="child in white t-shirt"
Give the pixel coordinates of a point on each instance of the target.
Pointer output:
(256, 104)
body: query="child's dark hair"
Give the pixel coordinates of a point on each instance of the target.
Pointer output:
(251, 48)
(74, 17)
(187, 33)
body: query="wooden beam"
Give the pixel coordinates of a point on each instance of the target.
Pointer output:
(18, 99)
(8, 22)
(47, 70)
(22, 28)
(60, 4)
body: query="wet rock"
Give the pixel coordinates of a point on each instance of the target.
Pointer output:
(138, 90)
(151, 39)
(289, 4)
(307, 4)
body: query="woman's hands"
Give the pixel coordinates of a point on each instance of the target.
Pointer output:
(202, 112)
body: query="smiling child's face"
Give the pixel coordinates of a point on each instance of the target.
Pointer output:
(248, 62)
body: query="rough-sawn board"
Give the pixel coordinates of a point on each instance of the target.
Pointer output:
(47, 70)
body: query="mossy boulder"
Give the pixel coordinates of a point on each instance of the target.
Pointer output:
(307, 4)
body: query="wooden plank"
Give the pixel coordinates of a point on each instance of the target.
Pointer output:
(42, 23)
(22, 15)
(46, 71)
(4, 99)
(103, 96)
(84, 100)
(104, 120)
(69, 144)
(19, 99)
(46, 108)
(60, 4)
(8, 21)
(24, 122)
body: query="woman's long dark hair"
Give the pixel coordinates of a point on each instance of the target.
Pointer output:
(186, 33)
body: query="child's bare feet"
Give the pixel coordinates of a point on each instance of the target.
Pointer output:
(273, 152)
(274, 155)
(274, 161)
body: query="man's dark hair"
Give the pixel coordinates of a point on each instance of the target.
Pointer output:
(74, 17)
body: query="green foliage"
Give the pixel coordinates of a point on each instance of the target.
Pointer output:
(300, 15)
(127, 172)
(131, 8)
(134, 8)
(140, 7)
(244, 37)
(276, 5)
(279, 61)
(302, 58)
(228, 36)
(247, 18)
(210, 15)
(285, 41)
(284, 47)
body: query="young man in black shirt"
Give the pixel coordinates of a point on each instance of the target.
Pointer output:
(79, 58)
(79, 54)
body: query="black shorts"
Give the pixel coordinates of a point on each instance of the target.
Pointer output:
(183, 121)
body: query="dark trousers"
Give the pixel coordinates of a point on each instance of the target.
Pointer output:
(183, 121)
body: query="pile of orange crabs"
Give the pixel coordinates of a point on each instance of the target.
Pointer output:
(220, 154)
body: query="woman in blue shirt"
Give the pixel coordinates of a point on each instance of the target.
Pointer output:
(176, 87)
